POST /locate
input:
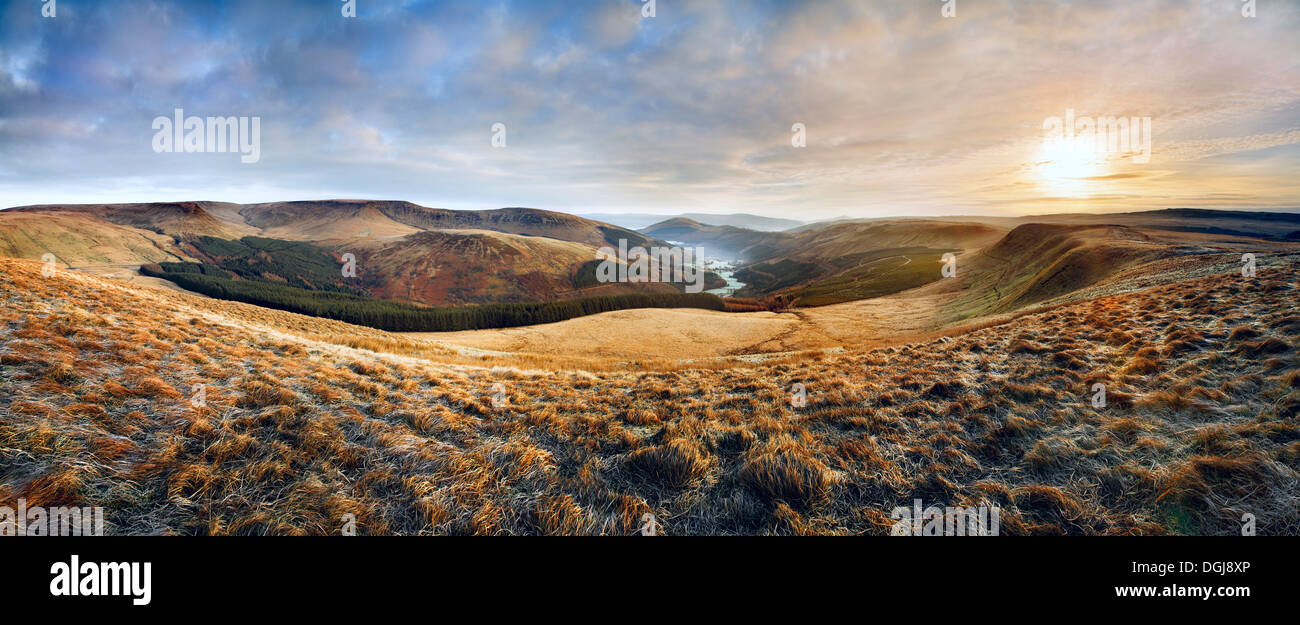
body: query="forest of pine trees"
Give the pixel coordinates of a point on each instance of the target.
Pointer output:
(403, 317)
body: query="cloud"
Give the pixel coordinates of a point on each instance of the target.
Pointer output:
(1205, 148)
(906, 111)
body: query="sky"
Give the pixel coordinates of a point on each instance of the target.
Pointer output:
(904, 111)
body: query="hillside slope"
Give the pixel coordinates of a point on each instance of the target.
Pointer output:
(477, 267)
(78, 240)
(853, 261)
(641, 221)
(1192, 220)
(408, 252)
(171, 218)
(333, 220)
(296, 428)
(1040, 263)
(728, 242)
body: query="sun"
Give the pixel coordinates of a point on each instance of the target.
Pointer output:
(1066, 165)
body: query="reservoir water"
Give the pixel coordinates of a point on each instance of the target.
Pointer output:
(726, 271)
(724, 267)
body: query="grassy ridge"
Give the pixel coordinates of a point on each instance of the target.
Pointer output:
(880, 272)
(861, 275)
(403, 317)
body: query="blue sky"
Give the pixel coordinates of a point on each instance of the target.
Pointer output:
(907, 112)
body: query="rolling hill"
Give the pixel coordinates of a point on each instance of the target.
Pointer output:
(406, 252)
(849, 261)
(169, 218)
(1046, 263)
(1205, 221)
(641, 221)
(428, 256)
(729, 242)
(338, 220)
(77, 240)
(303, 421)
(1262, 224)
(478, 267)
(1014, 262)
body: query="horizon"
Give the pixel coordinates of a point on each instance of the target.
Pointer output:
(646, 268)
(827, 111)
(682, 214)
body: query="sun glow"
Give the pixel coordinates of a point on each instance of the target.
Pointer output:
(1066, 165)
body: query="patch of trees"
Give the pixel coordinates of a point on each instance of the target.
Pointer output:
(294, 263)
(585, 276)
(187, 267)
(403, 317)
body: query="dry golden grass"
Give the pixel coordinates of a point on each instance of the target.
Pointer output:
(639, 334)
(306, 421)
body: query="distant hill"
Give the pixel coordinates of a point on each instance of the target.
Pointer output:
(479, 267)
(845, 239)
(858, 260)
(1238, 223)
(639, 221)
(405, 251)
(835, 262)
(1207, 221)
(729, 242)
(435, 256)
(172, 218)
(304, 417)
(335, 220)
(78, 240)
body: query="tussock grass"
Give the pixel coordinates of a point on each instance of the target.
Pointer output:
(783, 469)
(309, 420)
(674, 464)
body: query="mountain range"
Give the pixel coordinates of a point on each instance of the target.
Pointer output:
(638, 221)
(413, 254)
(182, 414)
(404, 252)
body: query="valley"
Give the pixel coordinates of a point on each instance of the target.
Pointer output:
(416, 436)
(973, 389)
(828, 286)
